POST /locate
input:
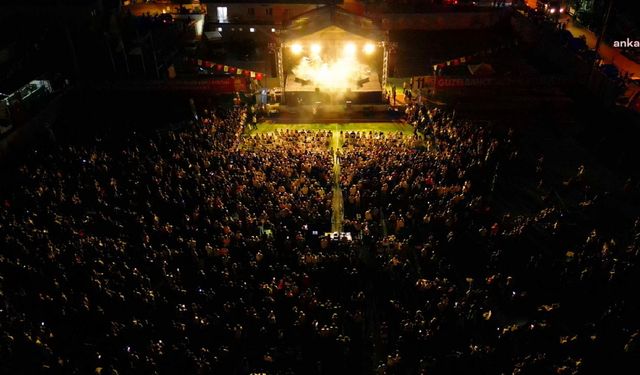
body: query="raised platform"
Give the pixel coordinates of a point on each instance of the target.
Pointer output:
(332, 113)
(385, 127)
(298, 92)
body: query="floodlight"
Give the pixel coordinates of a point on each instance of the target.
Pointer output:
(369, 48)
(350, 49)
(296, 48)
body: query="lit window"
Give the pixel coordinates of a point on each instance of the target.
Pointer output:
(222, 14)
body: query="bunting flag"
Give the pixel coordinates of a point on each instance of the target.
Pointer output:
(226, 68)
(466, 59)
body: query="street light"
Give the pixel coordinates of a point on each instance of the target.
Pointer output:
(435, 79)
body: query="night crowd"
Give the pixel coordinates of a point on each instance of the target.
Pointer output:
(203, 251)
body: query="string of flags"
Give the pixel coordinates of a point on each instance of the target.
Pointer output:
(466, 59)
(226, 68)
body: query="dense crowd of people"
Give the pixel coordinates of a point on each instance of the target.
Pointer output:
(203, 250)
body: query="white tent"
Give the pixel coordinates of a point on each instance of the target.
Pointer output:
(213, 35)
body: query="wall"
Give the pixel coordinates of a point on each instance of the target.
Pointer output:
(240, 13)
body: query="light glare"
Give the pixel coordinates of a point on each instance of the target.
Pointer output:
(350, 49)
(296, 48)
(369, 48)
(315, 48)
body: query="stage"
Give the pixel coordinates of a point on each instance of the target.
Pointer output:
(333, 113)
(300, 92)
(376, 127)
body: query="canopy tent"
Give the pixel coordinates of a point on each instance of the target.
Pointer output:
(331, 21)
(213, 35)
(481, 70)
(333, 30)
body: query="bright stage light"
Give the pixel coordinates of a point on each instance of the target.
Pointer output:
(369, 48)
(315, 48)
(350, 49)
(333, 74)
(296, 48)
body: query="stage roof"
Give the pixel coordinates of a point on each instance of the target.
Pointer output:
(329, 19)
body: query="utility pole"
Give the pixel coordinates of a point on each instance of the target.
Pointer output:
(599, 40)
(108, 43)
(604, 26)
(155, 58)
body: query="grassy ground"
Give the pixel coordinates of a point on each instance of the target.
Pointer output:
(385, 127)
